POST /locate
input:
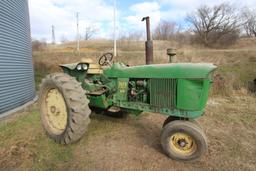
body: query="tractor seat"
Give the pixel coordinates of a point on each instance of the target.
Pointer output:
(93, 68)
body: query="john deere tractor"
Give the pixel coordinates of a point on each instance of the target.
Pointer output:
(177, 90)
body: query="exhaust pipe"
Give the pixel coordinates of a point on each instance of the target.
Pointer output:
(148, 43)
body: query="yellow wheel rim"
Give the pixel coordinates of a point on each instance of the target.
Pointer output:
(182, 143)
(56, 115)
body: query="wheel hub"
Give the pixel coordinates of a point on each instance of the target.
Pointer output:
(182, 143)
(53, 109)
(56, 111)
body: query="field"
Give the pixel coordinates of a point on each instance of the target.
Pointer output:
(132, 143)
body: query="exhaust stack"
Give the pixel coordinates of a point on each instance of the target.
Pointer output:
(148, 43)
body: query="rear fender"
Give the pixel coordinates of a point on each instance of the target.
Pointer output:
(72, 66)
(72, 70)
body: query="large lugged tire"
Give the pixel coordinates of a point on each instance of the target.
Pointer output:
(64, 108)
(183, 140)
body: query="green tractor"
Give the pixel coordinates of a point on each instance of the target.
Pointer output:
(177, 90)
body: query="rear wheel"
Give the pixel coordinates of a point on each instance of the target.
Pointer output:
(183, 140)
(64, 108)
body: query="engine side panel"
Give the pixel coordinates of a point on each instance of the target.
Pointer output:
(192, 94)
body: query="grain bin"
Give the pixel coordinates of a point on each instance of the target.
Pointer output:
(17, 87)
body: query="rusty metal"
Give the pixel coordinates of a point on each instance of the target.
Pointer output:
(171, 53)
(147, 27)
(149, 42)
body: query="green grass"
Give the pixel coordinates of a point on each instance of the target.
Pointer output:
(49, 155)
(26, 130)
(11, 130)
(52, 156)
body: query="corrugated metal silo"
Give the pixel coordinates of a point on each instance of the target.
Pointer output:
(17, 87)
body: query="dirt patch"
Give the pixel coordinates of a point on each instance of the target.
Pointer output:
(17, 156)
(122, 148)
(133, 143)
(136, 145)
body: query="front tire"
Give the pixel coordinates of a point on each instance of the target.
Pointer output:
(183, 140)
(64, 108)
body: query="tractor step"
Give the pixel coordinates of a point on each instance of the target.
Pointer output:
(114, 109)
(97, 93)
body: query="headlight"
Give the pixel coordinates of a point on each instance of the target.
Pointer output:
(79, 67)
(85, 67)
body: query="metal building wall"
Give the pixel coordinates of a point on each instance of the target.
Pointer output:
(17, 85)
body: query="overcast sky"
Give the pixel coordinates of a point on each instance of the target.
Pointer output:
(99, 14)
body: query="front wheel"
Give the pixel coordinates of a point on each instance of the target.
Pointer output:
(183, 140)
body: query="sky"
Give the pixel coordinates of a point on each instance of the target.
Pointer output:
(99, 15)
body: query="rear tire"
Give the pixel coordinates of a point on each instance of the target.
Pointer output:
(183, 140)
(64, 108)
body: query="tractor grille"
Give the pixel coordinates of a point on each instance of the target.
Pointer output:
(163, 93)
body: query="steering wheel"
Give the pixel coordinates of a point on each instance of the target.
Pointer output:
(105, 59)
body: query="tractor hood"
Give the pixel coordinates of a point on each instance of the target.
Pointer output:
(173, 70)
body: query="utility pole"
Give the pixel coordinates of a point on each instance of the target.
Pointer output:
(78, 36)
(114, 28)
(53, 34)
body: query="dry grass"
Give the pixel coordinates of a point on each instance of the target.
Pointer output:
(133, 143)
(237, 65)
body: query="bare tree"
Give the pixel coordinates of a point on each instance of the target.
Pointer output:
(90, 32)
(215, 25)
(128, 41)
(130, 36)
(39, 45)
(135, 35)
(249, 19)
(165, 30)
